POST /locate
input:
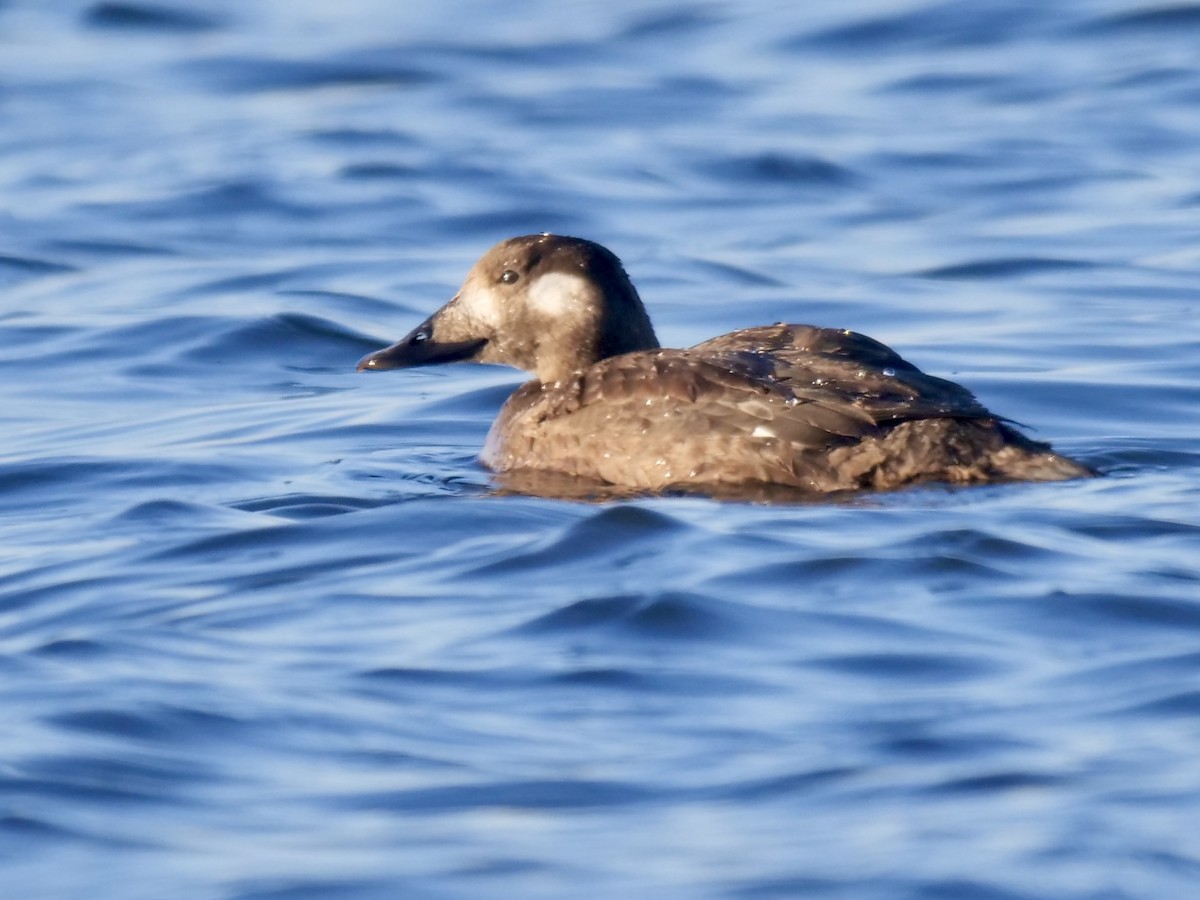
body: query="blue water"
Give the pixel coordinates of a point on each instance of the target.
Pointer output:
(265, 632)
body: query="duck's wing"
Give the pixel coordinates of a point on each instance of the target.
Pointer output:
(848, 372)
(732, 393)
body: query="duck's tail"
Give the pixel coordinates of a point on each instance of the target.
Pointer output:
(955, 451)
(1021, 459)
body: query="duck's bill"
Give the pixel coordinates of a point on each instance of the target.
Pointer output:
(420, 348)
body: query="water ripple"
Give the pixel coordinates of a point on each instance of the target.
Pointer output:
(138, 16)
(237, 74)
(256, 608)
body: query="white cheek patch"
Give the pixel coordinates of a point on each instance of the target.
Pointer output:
(480, 305)
(554, 293)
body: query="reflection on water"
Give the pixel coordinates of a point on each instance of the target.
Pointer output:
(268, 630)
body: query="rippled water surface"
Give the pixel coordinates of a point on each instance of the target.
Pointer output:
(265, 631)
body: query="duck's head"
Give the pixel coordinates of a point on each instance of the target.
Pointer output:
(548, 304)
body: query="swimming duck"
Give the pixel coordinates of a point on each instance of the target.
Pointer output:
(813, 409)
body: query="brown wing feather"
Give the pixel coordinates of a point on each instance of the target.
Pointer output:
(844, 368)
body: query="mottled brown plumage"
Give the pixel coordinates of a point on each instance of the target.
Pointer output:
(811, 409)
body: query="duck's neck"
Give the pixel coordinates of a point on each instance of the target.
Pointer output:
(564, 359)
(624, 325)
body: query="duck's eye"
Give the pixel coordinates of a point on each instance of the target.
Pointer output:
(510, 277)
(421, 336)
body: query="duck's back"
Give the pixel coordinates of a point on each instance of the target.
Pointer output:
(812, 408)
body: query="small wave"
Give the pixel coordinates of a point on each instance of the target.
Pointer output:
(253, 74)
(14, 269)
(777, 170)
(253, 199)
(513, 795)
(1012, 267)
(897, 668)
(309, 506)
(615, 536)
(942, 25)
(673, 24)
(1182, 19)
(662, 616)
(149, 17)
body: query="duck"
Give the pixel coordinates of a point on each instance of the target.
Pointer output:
(798, 407)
